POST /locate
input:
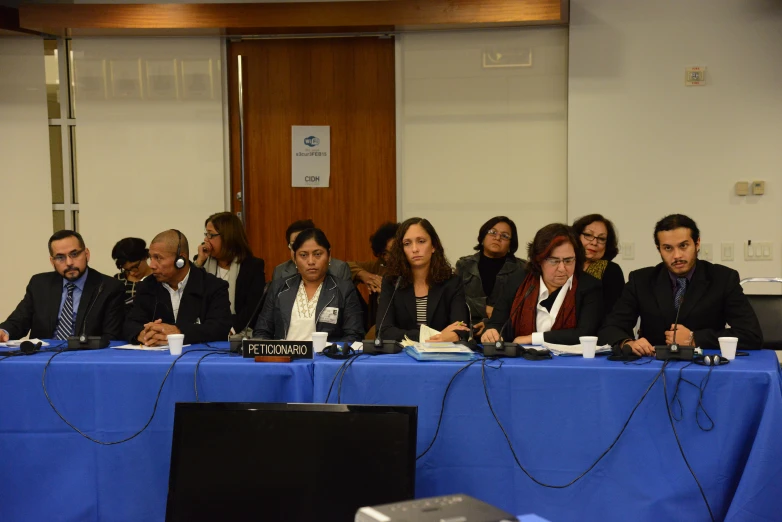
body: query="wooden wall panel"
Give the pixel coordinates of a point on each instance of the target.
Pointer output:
(291, 17)
(347, 83)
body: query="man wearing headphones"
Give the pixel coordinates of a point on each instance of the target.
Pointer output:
(177, 299)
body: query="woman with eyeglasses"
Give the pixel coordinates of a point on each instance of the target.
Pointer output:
(312, 300)
(598, 236)
(486, 272)
(130, 255)
(552, 300)
(421, 288)
(226, 253)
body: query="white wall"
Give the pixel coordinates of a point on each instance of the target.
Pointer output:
(477, 142)
(642, 145)
(26, 209)
(148, 158)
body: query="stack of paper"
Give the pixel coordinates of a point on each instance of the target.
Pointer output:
(439, 352)
(564, 349)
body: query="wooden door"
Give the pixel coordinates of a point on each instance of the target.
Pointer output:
(346, 83)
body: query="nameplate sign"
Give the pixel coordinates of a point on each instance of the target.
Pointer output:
(264, 348)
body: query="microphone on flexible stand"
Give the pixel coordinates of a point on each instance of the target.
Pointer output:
(470, 343)
(235, 340)
(379, 345)
(673, 351)
(91, 342)
(502, 348)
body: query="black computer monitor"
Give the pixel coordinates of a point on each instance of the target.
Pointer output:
(288, 462)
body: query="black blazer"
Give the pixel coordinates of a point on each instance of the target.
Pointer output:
(613, 283)
(446, 304)
(250, 283)
(204, 311)
(37, 313)
(713, 298)
(589, 311)
(338, 293)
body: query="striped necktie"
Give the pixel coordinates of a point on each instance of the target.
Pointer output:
(681, 287)
(65, 321)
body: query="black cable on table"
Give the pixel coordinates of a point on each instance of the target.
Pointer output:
(198, 364)
(610, 447)
(442, 406)
(701, 391)
(110, 443)
(681, 449)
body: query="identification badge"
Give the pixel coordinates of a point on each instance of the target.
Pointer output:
(330, 315)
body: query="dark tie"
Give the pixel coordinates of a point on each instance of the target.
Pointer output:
(681, 287)
(65, 321)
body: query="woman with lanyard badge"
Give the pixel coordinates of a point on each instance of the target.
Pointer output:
(312, 300)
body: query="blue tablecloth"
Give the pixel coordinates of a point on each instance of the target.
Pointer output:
(49, 472)
(562, 414)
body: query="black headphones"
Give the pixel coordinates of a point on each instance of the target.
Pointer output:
(711, 360)
(339, 352)
(179, 261)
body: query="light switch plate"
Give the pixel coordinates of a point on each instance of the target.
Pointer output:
(706, 252)
(742, 188)
(727, 252)
(758, 188)
(628, 250)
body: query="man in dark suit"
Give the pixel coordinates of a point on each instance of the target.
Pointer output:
(72, 300)
(177, 299)
(706, 295)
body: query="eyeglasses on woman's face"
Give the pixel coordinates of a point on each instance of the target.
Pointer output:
(601, 240)
(504, 236)
(555, 261)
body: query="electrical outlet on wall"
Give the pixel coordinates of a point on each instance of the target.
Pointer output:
(706, 251)
(628, 250)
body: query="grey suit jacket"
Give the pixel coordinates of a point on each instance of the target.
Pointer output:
(337, 268)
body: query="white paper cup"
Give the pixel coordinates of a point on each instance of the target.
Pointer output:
(588, 345)
(728, 347)
(319, 341)
(175, 342)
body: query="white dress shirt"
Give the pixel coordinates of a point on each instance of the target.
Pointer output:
(544, 319)
(176, 295)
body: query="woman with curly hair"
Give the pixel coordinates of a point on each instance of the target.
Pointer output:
(553, 300)
(421, 288)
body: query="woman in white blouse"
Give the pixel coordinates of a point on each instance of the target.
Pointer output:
(312, 300)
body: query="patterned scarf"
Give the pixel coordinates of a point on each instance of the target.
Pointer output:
(526, 302)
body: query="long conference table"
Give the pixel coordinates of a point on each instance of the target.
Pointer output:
(560, 415)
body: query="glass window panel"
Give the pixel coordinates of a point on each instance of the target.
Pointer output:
(52, 66)
(58, 219)
(55, 158)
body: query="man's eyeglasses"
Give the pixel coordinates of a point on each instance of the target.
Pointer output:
(589, 237)
(209, 235)
(60, 258)
(555, 261)
(494, 233)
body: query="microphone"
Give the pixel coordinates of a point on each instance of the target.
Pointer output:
(470, 343)
(673, 351)
(83, 341)
(502, 348)
(235, 340)
(378, 345)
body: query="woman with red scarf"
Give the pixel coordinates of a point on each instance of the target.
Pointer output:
(553, 300)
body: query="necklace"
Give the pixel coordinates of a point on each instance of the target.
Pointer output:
(306, 307)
